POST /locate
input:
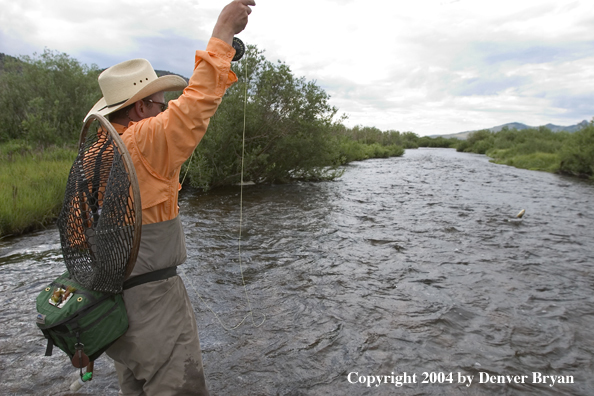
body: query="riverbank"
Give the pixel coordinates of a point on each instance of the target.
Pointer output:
(32, 184)
(537, 149)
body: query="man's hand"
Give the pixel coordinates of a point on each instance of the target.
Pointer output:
(232, 20)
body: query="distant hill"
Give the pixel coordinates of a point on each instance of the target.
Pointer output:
(518, 126)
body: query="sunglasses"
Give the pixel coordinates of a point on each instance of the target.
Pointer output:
(163, 105)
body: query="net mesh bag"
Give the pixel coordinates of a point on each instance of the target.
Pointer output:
(100, 220)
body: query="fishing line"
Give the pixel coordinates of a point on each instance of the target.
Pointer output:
(251, 312)
(188, 167)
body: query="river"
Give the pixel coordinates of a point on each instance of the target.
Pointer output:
(414, 265)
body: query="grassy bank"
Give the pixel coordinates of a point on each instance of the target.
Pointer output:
(537, 149)
(32, 184)
(548, 162)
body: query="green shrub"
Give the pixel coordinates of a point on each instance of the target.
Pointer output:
(482, 146)
(536, 161)
(439, 141)
(290, 131)
(577, 153)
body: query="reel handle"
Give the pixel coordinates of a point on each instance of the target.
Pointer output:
(239, 49)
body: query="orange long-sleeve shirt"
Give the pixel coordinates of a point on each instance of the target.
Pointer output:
(160, 145)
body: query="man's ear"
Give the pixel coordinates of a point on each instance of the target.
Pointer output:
(140, 108)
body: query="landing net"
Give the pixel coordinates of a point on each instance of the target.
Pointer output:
(100, 220)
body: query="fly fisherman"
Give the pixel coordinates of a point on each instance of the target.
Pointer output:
(160, 352)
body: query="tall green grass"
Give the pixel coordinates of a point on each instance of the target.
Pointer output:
(32, 185)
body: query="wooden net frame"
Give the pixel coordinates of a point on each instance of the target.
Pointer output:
(101, 218)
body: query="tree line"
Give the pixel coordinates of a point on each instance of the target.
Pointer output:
(291, 129)
(44, 98)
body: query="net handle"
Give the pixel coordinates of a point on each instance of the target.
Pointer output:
(137, 206)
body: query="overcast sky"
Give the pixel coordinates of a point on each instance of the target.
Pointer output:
(426, 66)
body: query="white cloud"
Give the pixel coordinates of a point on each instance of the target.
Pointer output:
(428, 66)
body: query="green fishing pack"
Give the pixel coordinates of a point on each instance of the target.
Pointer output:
(81, 322)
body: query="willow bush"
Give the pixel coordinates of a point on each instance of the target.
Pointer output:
(44, 98)
(288, 129)
(577, 153)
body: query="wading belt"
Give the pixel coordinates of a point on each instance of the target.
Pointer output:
(161, 274)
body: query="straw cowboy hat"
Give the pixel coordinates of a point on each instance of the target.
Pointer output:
(130, 81)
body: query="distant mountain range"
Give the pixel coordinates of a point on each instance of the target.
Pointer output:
(518, 126)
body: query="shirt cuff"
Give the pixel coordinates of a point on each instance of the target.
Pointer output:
(220, 48)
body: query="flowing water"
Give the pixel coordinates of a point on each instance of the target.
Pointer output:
(413, 265)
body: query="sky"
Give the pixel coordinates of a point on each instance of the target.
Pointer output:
(431, 67)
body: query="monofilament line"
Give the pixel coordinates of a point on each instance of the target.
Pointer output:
(251, 312)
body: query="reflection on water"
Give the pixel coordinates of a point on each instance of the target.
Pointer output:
(412, 264)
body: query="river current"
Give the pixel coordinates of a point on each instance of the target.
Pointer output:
(416, 265)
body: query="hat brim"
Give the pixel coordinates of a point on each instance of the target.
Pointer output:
(163, 83)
